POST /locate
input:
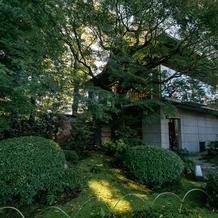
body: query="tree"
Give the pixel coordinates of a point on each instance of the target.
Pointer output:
(29, 62)
(130, 40)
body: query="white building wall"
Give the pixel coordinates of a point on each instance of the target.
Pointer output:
(195, 127)
(165, 133)
(151, 133)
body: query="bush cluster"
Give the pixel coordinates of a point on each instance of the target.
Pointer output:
(71, 156)
(182, 152)
(152, 165)
(30, 167)
(212, 189)
(36, 125)
(125, 137)
(118, 148)
(189, 168)
(81, 137)
(189, 165)
(213, 144)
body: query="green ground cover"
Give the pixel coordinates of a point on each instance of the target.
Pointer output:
(107, 192)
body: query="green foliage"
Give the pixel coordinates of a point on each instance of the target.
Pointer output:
(189, 168)
(118, 148)
(71, 156)
(81, 136)
(153, 165)
(115, 148)
(72, 180)
(212, 190)
(146, 213)
(189, 165)
(95, 169)
(35, 125)
(213, 144)
(29, 63)
(41, 61)
(182, 152)
(30, 167)
(126, 137)
(212, 147)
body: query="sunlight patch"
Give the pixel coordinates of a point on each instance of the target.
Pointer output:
(111, 197)
(130, 183)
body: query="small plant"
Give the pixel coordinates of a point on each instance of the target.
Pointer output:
(182, 152)
(95, 169)
(189, 168)
(81, 137)
(72, 180)
(71, 156)
(153, 165)
(213, 144)
(30, 167)
(126, 138)
(115, 148)
(212, 190)
(189, 165)
(212, 147)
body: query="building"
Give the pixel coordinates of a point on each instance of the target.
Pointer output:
(192, 128)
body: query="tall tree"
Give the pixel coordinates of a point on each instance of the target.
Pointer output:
(132, 39)
(120, 45)
(30, 61)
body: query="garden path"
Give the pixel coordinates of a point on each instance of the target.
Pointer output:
(200, 159)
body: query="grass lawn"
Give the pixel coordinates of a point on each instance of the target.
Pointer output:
(105, 190)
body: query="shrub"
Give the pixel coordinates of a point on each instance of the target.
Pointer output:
(189, 165)
(125, 137)
(72, 180)
(118, 148)
(212, 189)
(212, 147)
(183, 153)
(80, 139)
(115, 148)
(71, 156)
(36, 125)
(213, 144)
(189, 168)
(153, 165)
(30, 166)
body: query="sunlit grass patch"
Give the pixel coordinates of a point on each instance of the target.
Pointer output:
(111, 192)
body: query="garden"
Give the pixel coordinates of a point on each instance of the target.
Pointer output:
(103, 64)
(42, 179)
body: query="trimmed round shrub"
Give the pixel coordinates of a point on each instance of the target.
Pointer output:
(153, 165)
(30, 167)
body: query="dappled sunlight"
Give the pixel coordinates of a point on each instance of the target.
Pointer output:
(127, 183)
(195, 183)
(118, 192)
(111, 195)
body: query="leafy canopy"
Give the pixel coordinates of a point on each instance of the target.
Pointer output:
(53, 48)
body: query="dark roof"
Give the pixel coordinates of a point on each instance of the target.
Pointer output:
(192, 106)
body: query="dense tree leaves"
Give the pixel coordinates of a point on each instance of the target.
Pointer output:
(53, 49)
(29, 60)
